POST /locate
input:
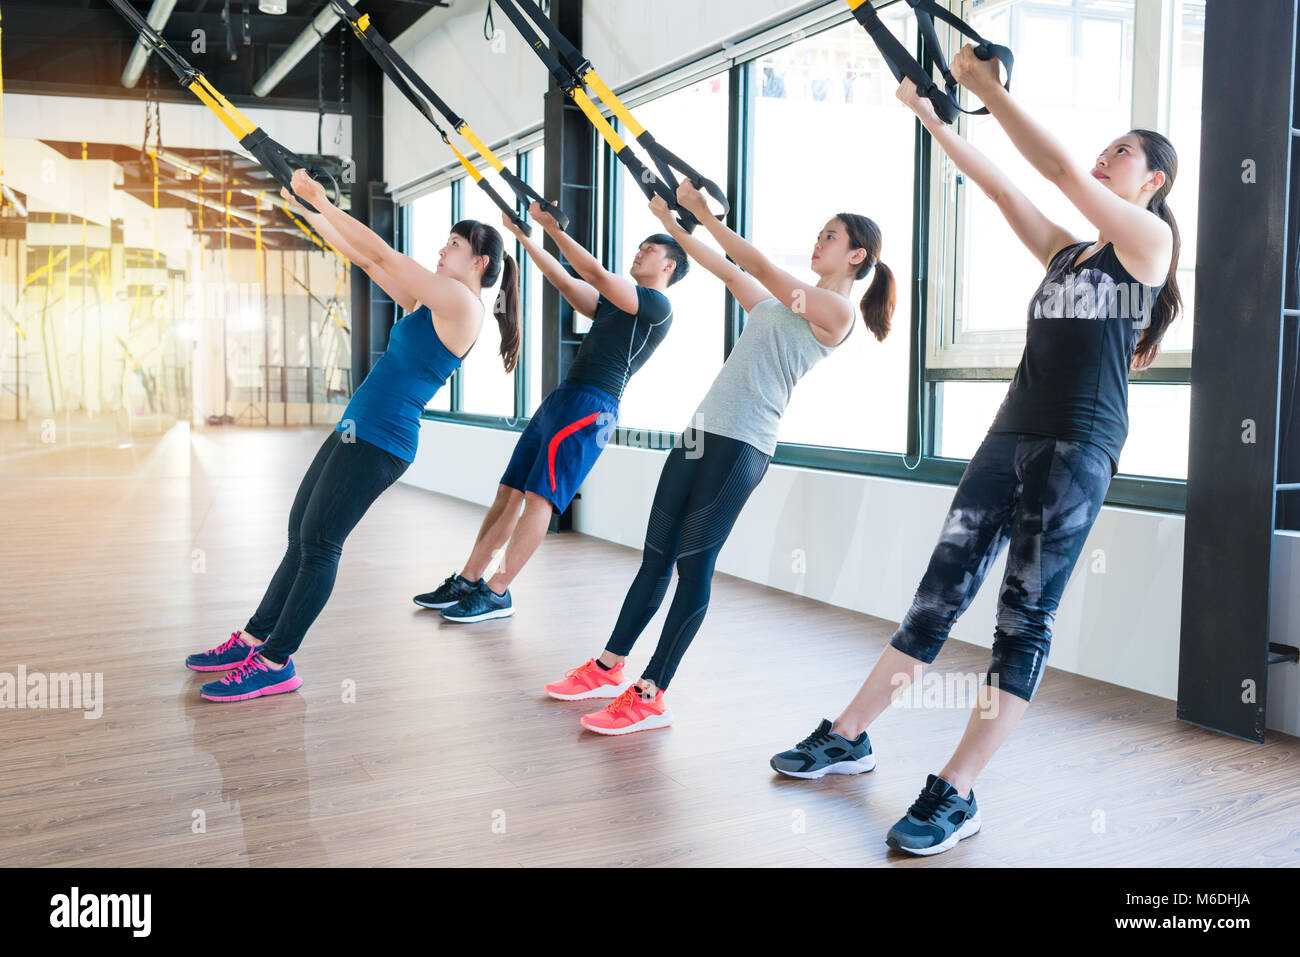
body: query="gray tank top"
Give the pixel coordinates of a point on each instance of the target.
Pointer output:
(749, 396)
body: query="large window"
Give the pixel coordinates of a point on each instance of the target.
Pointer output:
(532, 359)
(664, 393)
(1185, 133)
(817, 130)
(487, 389)
(830, 137)
(428, 223)
(1074, 72)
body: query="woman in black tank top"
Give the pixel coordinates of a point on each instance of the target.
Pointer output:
(1038, 480)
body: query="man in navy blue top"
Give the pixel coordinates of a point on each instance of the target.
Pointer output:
(566, 434)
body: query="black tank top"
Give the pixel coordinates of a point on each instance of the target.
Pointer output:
(618, 344)
(1084, 325)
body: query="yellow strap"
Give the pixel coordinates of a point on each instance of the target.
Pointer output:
(154, 157)
(479, 145)
(38, 273)
(201, 175)
(83, 192)
(312, 236)
(601, 124)
(258, 241)
(614, 103)
(227, 234)
(337, 286)
(238, 124)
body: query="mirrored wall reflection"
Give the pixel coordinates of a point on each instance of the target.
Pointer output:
(102, 342)
(141, 291)
(284, 326)
(90, 350)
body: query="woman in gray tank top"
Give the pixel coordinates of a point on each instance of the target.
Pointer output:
(724, 452)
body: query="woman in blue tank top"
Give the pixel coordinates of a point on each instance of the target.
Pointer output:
(1038, 480)
(375, 440)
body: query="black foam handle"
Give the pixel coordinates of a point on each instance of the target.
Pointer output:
(526, 192)
(281, 162)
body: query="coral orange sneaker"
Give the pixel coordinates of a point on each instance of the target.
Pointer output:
(589, 681)
(630, 712)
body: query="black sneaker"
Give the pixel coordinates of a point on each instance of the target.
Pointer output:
(824, 752)
(936, 821)
(480, 604)
(447, 594)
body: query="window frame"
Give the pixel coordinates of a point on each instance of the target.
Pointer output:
(933, 312)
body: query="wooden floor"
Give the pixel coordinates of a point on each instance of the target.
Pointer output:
(124, 560)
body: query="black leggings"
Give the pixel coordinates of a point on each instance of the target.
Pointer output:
(342, 482)
(700, 495)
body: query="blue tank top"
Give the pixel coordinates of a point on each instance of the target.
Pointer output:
(385, 409)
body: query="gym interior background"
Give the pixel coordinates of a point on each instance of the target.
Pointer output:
(173, 346)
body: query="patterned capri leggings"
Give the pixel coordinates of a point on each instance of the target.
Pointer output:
(1040, 494)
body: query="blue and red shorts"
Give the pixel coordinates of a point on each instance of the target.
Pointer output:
(562, 442)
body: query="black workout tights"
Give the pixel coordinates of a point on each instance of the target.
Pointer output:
(704, 485)
(342, 482)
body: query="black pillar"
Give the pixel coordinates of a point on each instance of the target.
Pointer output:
(1246, 144)
(372, 310)
(570, 150)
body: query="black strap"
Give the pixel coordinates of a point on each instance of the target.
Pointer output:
(569, 55)
(274, 158)
(902, 64)
(184, 72)
(569, 69)
(400, 72)
(567, 78)
(280, 162)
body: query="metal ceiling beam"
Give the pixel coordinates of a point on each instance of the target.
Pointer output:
(159, 14)
(320, 25)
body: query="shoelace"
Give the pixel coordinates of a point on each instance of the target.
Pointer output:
(624, 701)
(817, 737)
(234, 639)
(581, 670)
(927, 806)
(251, 664)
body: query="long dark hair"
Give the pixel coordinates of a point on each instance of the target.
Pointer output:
(877, 305)
(1160, 156)
(486, 241)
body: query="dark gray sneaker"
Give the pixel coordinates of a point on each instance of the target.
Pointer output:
(480, 604)
(447, 594)
(936, 821)
(824, 752)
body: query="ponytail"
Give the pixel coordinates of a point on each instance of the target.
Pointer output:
(1161, 156)
(877, 305)
(507, 312)
(484, 240)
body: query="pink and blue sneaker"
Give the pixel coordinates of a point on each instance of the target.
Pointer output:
(225, 656)
(252, 679)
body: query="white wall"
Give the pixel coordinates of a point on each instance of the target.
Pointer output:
(867, 541)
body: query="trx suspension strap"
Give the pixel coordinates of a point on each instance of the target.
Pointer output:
(903, 64)
(573, 72)
(273, 157)
(400, 72)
